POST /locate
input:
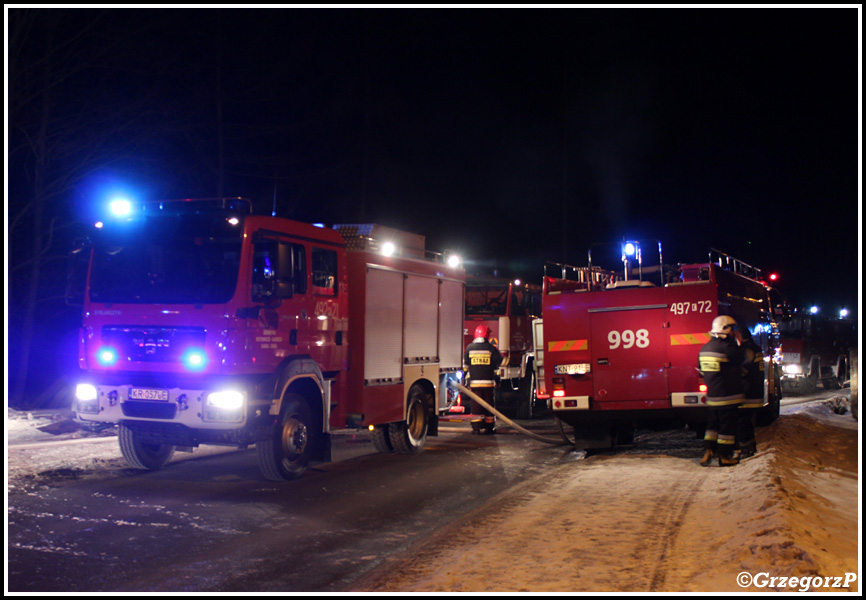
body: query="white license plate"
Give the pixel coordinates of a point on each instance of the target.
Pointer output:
(146, 394)
(578, 369)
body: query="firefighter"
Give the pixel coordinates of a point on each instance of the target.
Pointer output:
(753, 396)
(721, 361)
(481, 362)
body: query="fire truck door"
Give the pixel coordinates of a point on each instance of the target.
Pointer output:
(629, 353)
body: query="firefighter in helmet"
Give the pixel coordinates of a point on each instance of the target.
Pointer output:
(720, 361)
(481, 362)
(753, 395)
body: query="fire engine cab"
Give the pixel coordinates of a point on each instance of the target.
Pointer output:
(620, 347)
(508, 308)
(206, 324)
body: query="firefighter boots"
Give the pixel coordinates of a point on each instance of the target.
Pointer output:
(728, 461)
(748, 449)
(709, 455)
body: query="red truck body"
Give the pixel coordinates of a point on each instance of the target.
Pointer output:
(508, 308)
(620, 352)
(204, 324)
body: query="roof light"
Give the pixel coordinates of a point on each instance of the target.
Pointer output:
(120, 207)
(388, 249)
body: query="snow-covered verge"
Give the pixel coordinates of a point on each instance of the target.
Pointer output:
(632, 523)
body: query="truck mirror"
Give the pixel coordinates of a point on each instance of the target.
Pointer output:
(76, 272)
(285, 271)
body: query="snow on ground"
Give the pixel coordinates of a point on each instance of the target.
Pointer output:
(616, 524)
(627, 523)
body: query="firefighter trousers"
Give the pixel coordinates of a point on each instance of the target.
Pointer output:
(721, 434)
(746, 418)
(487, 394)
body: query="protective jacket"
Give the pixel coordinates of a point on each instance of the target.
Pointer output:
(754, 366)
(721, 363)
(481, 360)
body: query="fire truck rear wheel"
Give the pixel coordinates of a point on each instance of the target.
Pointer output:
(408, 437)
(381, 438)
(285, 452)
(142, 455)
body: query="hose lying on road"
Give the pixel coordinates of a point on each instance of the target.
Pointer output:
(464, 390)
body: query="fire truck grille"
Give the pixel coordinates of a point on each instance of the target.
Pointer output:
(149, 410)
(153, 344)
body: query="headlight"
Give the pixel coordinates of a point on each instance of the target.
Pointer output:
(224, 405)
(226, 400)
(85, 392)
(792, 369)
(87, 398)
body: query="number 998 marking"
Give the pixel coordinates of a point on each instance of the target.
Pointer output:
(628, 339)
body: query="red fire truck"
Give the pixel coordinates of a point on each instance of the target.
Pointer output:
(814, 349)
(206, 324)
(621, 348)
(507, 307)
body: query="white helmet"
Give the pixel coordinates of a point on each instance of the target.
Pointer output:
(723, 325)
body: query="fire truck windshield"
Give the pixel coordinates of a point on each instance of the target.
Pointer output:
(167, 259)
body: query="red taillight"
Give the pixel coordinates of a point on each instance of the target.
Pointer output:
(702, 388)
(558, 393)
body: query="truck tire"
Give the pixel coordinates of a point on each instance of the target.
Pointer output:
(526, 396)
(408, 437)
(381, 438)
(141, 455)
(285, 452)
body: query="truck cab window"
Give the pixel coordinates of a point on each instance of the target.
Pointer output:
(279, 270)
(324, 272)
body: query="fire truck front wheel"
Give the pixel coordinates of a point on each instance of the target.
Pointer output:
(285, 452)
(408, 437)
(139, 454)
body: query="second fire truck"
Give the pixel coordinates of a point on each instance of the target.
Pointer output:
(508, 308)
(620, 348)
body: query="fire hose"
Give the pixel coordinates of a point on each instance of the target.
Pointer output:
(466, 391)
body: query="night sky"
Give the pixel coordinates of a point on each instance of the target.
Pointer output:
(514, 136)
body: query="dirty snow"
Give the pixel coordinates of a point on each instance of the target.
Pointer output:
(665, 524)
(615, 524)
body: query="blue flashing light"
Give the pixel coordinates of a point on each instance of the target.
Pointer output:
(107, 357)
(120, 207)
(195, 359)
(629, 248)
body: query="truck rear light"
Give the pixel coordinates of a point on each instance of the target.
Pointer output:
(558, 393)
(702, 388)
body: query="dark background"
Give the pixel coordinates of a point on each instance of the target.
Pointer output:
(512, 136)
